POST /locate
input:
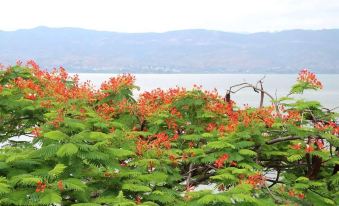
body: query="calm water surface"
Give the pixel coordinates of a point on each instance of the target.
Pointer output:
(275, 84)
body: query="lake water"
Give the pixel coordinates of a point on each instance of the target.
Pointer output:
(275, 84)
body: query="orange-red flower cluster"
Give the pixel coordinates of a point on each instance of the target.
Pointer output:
(173, 159)
(175, 112)
(115, 83)
(264, 115)
(40, 187)
(150, 102)
(309, 77)
(296, 146)
(309, 148)
(257, 180)
(319, 143)
(291, 116)
(60, 185)
(292, 193)
(56, 85)
(332, 126)
(138, 200)
(210, 127)
(106, 111)
(36, 132)
(221, 161)
(157, 141)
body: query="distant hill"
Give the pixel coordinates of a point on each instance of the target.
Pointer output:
(185, 51)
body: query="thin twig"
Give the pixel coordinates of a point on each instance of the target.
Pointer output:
(282, 139)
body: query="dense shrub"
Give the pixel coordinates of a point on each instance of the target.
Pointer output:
(87, 146)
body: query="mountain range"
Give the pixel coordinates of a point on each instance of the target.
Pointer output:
(183, 51)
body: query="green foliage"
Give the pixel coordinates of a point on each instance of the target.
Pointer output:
(68, 149)
(89, 147)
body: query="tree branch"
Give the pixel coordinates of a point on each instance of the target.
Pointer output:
(188, 180)
(257, 89)
(282, 139)
(262, 95)
(276, 179)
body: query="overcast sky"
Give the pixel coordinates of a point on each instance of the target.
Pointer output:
(166, 15)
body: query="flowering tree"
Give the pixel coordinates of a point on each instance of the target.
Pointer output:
(87, 146)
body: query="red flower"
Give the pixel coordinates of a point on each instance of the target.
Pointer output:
(335, 130)
(211, 127)
(175, 112)
(310, 78)
(296, 146)
(33, 64)
(320, 143)
(233, 164)
(175, 137)
(301, 196)
(60, 185)
(173, 159)
(138, 200)
(140, 145)
(40, 187)
(220, 161)
(36, 132)
(30, 96)
(116, 83)
(256, 180)
(268, 121)
(309, 148)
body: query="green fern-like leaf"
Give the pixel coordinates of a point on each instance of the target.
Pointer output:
(247, 152)
(74, 184)
(57, 170)
(56, 135)
(294, 157)
(50, 197)
(212, 199)
(47, 151)
(243, 144)
(219, 145)
(158, 178)
(136, 188)
(224, 176)
(121, 153)
(25, 180)
(4, 188)
(68, 149)
(97, 136)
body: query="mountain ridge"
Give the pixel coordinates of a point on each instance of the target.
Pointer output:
(180, 51)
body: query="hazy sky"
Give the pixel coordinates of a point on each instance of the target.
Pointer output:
(165, 15)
